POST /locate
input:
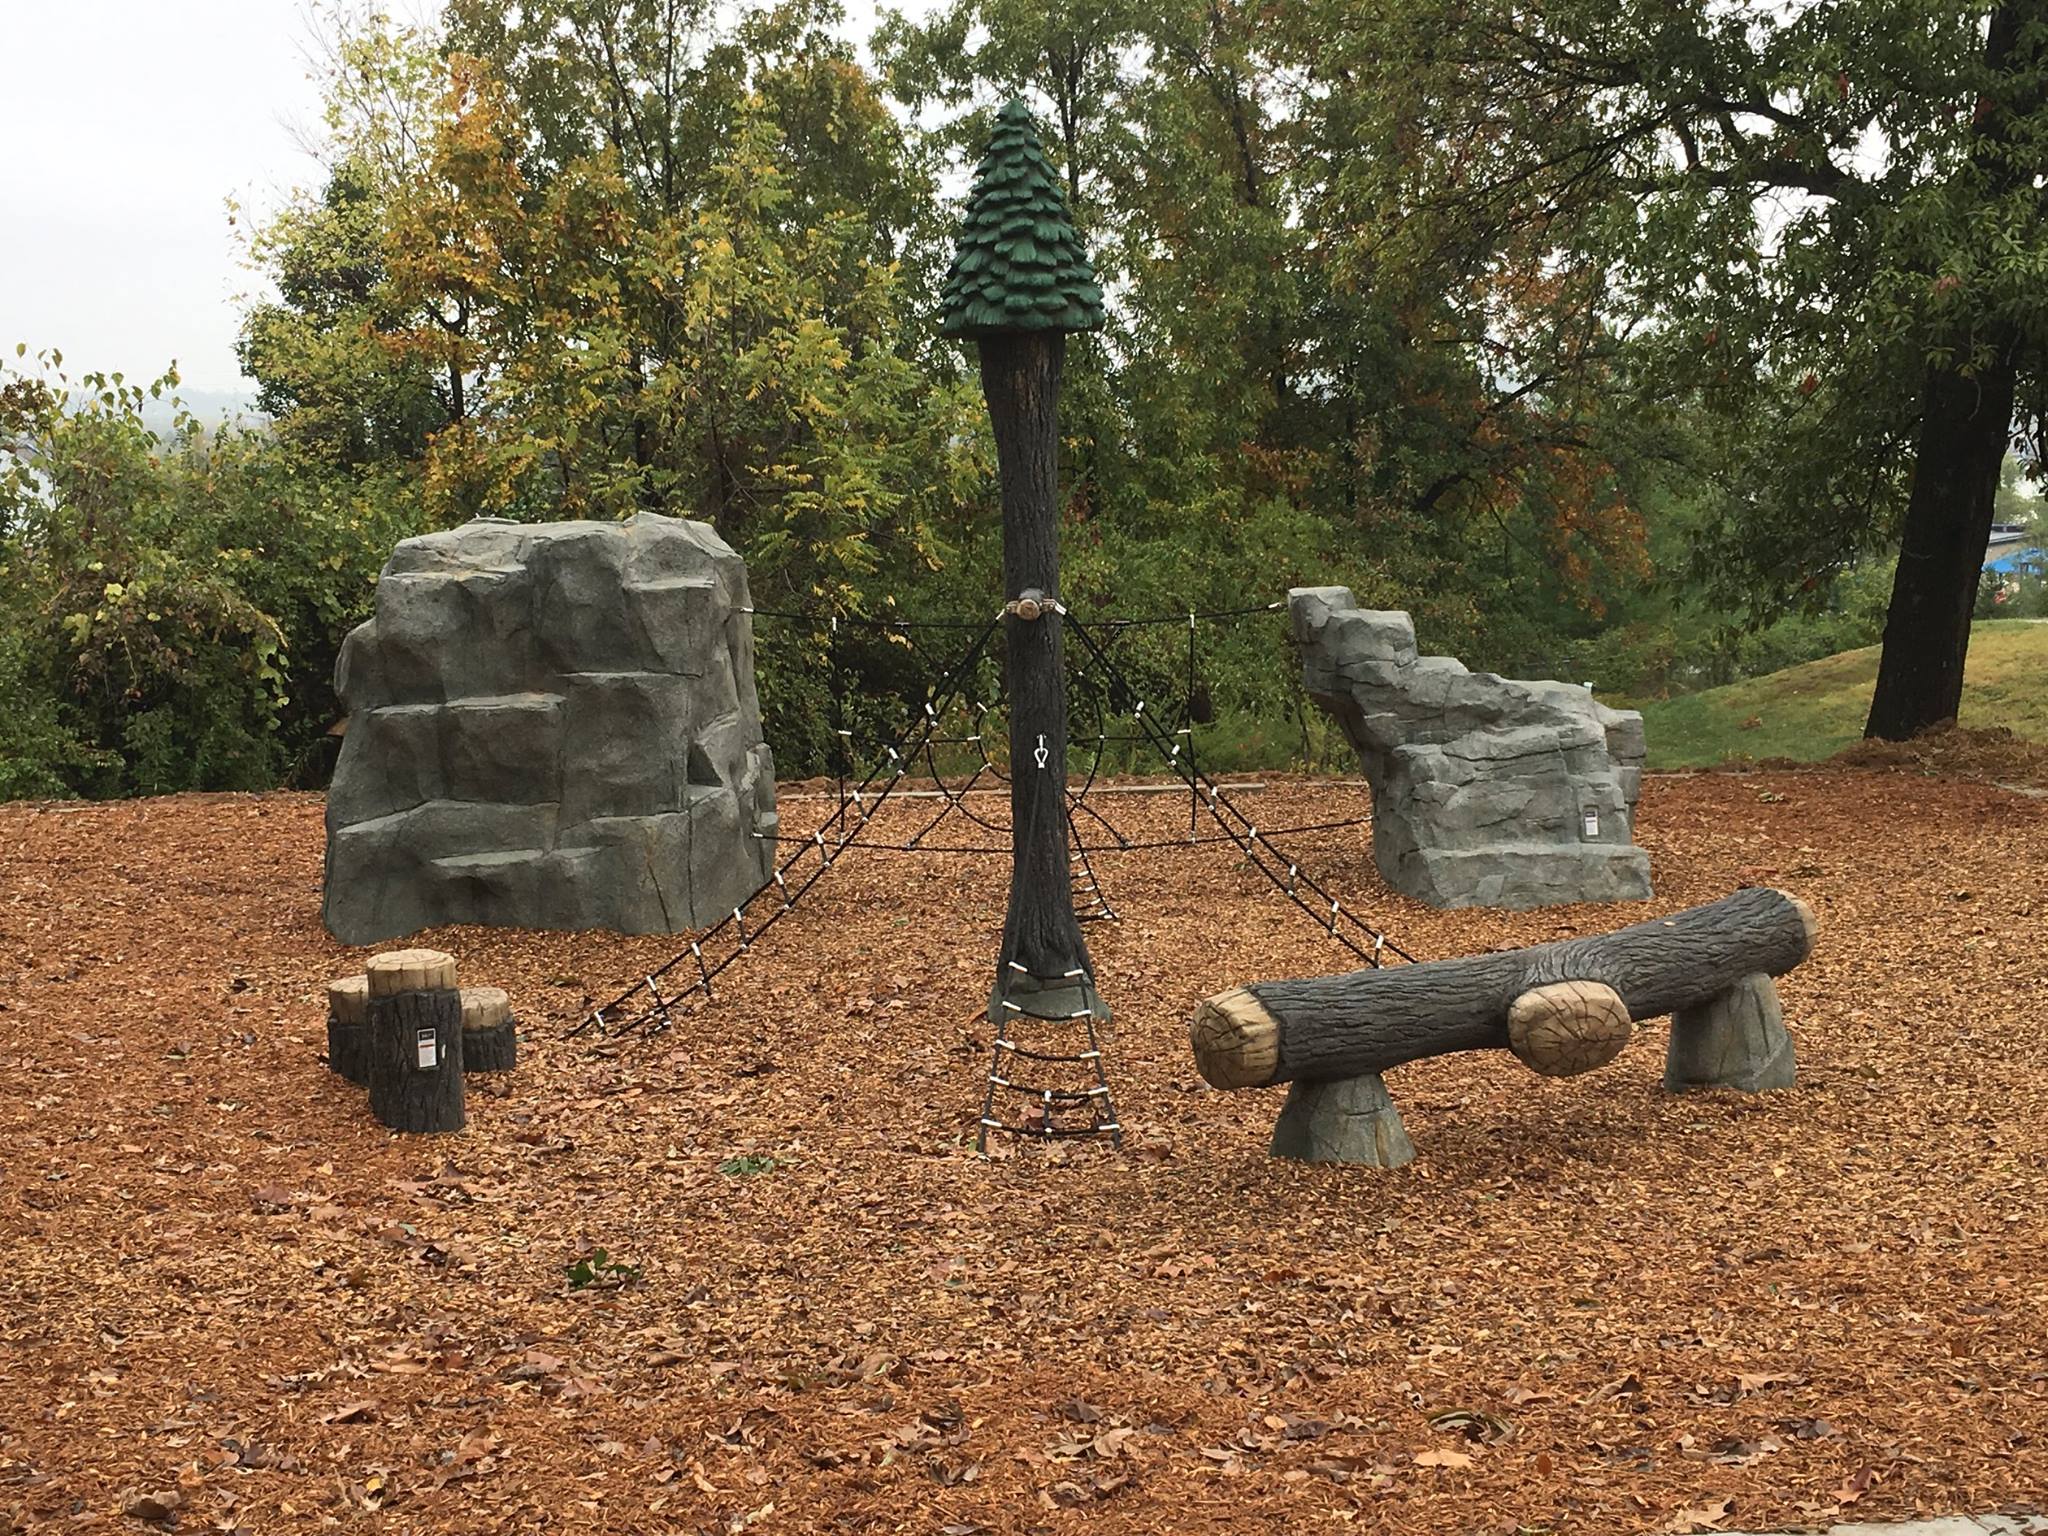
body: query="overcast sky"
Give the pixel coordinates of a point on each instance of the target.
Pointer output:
(127, 125)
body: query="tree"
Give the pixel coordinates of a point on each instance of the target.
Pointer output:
(1277, 366)
(1821, 229)
(169, 605)
(1019, 284)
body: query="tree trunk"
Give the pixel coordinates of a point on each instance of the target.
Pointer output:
(1537, 1001)
(1965, 426)
(1020, 377)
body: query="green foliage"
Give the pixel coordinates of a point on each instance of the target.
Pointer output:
(598, 1270)
(170, 608)
(747, 1167)
(1020, 265)
(1409, 298)
(1812, 711)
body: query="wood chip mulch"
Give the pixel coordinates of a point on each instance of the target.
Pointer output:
(229, 1301)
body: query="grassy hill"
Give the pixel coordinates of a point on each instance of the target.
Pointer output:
(1813, 711)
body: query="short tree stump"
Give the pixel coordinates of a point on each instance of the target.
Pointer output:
(490, 1041)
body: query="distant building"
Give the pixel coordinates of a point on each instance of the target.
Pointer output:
(2015, 551)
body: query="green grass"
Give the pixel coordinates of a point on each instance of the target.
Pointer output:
(1811, 712)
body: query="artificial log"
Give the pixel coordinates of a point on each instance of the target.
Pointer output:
(1365, 1022)
(415, 1041)
(1043, 951)
(489, 1039)
(348, 1028)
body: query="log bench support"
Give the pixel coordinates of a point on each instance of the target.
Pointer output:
(1350, 1120)
(1561, 1009)
(1734, 1039)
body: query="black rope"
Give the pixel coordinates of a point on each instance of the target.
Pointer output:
(1255, 844)
(1093, 850)
(847, 837)
(1145, 621)
(854, 622)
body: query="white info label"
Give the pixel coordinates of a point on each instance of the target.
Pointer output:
(1592, 821)
(429, 1044)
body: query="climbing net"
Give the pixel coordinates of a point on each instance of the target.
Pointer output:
(955, 744)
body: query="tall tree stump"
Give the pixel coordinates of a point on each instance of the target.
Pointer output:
(348, 1028)
(489, 1039)
(1733, 1039)
(415, 1041)
(1020, 283)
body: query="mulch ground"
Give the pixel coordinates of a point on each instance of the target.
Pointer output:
(230, 1301)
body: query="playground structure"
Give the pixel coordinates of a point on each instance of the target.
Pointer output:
(1561, 1009)
(1046, 1076)
(404, 1030)
(551, 725)
(593, 684)
(1486, 792)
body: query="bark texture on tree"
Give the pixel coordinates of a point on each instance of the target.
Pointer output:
(1965, 428)
(1367, 1021)
(1020, 378)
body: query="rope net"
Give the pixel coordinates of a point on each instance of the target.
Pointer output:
(956, 744)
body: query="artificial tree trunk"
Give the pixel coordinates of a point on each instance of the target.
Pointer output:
(415, 1041)
(1965, 427)
(1042, 945)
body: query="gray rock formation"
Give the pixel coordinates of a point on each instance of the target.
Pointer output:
(550, 726)
(1486, 792)
(1735, 1039)
(1350, 1120)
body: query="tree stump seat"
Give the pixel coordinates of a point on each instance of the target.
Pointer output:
(348, 1028)
(489, 1032)
(416, 1039)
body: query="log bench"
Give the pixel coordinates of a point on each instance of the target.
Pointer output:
(1560, 1008)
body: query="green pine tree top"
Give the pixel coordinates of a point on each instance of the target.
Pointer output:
(1020, 266)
